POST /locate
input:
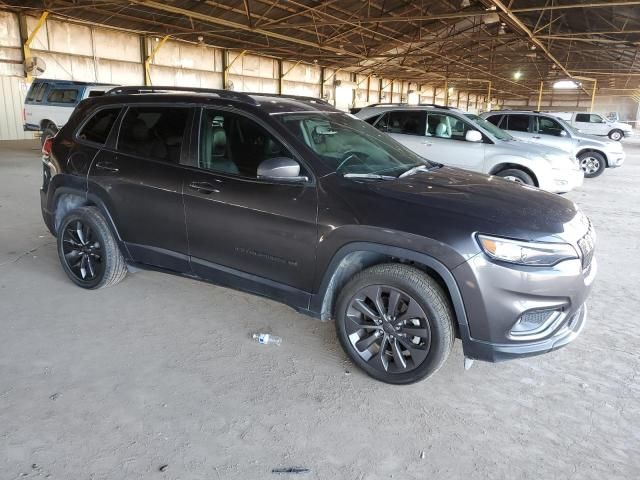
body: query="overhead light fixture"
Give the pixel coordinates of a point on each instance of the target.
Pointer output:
(502, 30)
(465, 3)
(517, 75)
(566, 85)
(490, 18)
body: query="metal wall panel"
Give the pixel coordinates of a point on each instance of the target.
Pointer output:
(12, 93)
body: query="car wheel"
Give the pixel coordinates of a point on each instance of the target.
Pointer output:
(395, 322)
(616, 135)
(592, 163)
(49, 131)
(518, 176)
(88, 252)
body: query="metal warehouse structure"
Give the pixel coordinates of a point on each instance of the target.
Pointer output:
(475, 54)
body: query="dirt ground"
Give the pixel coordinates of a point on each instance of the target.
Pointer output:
(161, 371)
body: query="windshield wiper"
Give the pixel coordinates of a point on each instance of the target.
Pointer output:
(413, 170)
(375, 176)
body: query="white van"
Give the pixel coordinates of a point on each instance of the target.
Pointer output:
(595, 124)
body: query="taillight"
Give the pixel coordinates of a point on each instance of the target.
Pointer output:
(46, 146)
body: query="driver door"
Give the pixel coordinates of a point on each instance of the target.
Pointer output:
(261, 231)
(446, 133)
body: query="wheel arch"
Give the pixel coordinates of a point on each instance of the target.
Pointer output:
(517, 166)
(595, 150)
(44, 123)
(357, 256)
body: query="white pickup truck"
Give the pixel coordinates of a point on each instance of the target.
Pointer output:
(595, 124)
(49, 103)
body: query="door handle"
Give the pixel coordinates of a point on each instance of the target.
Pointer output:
(203, 187)
(107, 166)
(537, 137)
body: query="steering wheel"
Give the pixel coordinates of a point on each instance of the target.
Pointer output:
(348, 156)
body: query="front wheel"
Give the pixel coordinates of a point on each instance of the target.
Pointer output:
(616, 135)
(517, 176)
(88, 252)
(395, 322)
(592, 163)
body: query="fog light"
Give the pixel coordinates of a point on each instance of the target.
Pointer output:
(535, 324)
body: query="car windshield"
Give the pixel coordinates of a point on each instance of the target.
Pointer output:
(351, 146)
(490, 127)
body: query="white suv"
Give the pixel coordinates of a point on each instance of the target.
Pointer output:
(467, 141)
(594, 124)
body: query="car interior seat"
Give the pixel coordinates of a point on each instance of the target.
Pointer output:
(443, 130)
(216, 152)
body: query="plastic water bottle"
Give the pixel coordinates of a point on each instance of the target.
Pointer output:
(267, 339)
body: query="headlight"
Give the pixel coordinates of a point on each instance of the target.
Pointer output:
(526, 253)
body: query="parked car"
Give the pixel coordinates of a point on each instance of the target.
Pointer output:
(49, 103)
(596, 124)
(291, 199)
(594, 153)
(464, 140)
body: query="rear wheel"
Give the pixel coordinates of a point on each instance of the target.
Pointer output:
(616, 135)
(592, 163)
(88, 252)
(517, 176)
(395, 322)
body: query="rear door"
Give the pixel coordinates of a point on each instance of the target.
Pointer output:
(262, 232)
(518, 125)
(139, 178)
(409, 128)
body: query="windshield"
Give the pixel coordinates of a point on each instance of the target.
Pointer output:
(490, 127)
(349, 145)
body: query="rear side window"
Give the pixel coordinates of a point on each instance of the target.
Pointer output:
(407, 123)
(63, 95)
(518, 123)
(97, 129)
(495, 119)
(582, 117)
(36, 92)
(154, 132)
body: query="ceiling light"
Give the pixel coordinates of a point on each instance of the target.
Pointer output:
(465, 3)
(501, 30)
(566, 85)
(517, 75)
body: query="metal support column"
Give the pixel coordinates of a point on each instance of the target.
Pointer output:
(593, 95)
(540, 96)
(147, 61)
(26, 46)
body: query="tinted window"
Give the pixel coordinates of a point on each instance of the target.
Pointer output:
(39, 93)
(407, 122)
(372, 120)
(582, 117)
(231, 143)
(63, 95)
(98, 127)
(153, 132)
(442, 125)
(96, 93)
(549, 126)
(518, 123)
(33, 91)
(495, 119)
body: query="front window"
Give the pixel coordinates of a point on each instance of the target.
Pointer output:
(549, 126)
(489, 127)
(349, 145)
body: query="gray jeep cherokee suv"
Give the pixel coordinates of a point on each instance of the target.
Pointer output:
(291, 199)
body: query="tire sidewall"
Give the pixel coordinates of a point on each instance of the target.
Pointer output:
(81, 214)
(600, 168)
(613, 132)
(438, 350)
(512, 172)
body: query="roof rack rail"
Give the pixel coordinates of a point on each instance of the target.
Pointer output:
(391, 104)
(227, 94)
(294, 97)
(436, 105)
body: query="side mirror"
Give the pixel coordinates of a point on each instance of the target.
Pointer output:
(473, 136)
(563, 133)
(281, 168)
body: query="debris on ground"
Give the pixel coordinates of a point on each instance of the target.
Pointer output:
(55, 396)
(163, 468)
(422, 455)
(293, 470)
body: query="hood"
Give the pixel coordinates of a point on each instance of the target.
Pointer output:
(531, 149)
(480, 203)
(593, 140)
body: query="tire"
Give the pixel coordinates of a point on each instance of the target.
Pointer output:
(517, 176)
(592, 163)
(419, 332)
(616, 135)
(87, 250)
(49, 131)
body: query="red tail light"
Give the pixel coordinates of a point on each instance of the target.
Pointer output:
(46, 146)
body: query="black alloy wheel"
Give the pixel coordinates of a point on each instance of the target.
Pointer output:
(388, 329)
(82, 252)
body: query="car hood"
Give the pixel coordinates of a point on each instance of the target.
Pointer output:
(528, 148)
(481, 203)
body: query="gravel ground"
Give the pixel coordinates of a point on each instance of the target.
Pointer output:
(160, 371)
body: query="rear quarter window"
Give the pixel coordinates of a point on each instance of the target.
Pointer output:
(63, 95)
(99, 126)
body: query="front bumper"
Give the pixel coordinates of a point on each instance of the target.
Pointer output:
(615, 159)
(497, 295)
